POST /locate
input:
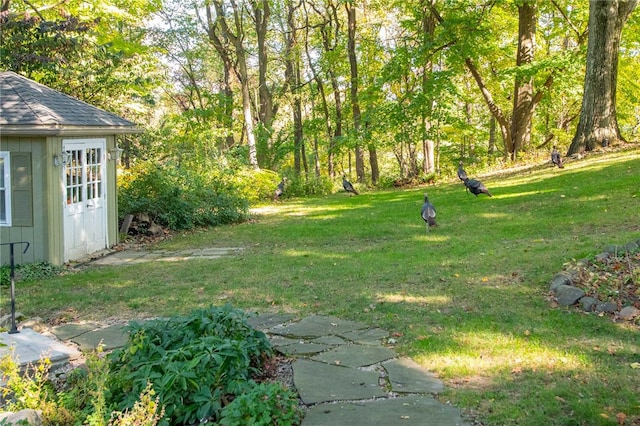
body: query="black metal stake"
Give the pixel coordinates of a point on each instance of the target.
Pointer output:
(14, 328)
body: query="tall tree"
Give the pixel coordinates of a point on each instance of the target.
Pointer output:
(598, 123)
(219, 31)
(355, 103)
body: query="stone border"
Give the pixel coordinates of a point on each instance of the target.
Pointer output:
(565, 293)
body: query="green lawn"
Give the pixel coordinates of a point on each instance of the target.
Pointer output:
(469, 300)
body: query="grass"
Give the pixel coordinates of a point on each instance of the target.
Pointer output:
(469, 300)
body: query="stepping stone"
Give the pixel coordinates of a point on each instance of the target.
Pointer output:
(316, 326)
(405, 411)
(370, 336)
(69, 331)
(303, 348)
(319, 382)
(28, 346)
(279, 341)
(264, 322)
(356, 355)
(111, 337)
(330, 340)
(407, 376)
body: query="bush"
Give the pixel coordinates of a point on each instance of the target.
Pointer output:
(179, 198)
(300, 186)
(195, 363)
(29, 271)
(263, 404)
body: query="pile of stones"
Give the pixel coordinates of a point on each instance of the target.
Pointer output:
(565, 292)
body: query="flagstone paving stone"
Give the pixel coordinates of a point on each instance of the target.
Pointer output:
(316, 326)
(356, 355)
(407, 376)
(405, 411)
(320, 382)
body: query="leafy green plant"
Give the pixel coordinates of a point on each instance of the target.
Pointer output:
(178, 197)
(29, 271)
(145, 412)
(32, 390)
(263, 404)
(195, 362)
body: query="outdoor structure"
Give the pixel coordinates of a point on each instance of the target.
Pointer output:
(58, 165)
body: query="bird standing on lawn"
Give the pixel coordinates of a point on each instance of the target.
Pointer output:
(476, 187)
(428, 213)
(347, 186)
(556, 158)
(462, 175)
(279, 189)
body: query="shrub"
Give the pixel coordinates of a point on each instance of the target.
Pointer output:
(263, 404)
(300, 186)
(29, 271)
(195, 362)
(180, 198)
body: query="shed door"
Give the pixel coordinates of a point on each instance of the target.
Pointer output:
(85, 229)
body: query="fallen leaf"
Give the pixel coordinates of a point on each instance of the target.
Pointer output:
(621, 418)
(635, 365)
(405, 417)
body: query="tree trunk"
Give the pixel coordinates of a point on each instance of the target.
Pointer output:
(598, 125)
(240, 68)
(266, 111)
(428, 29)
(355, 105)
(523, 86)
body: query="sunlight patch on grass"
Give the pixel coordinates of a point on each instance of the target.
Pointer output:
(423, 300)
(315, 254)
(431, 236)
(522, 194)
(487, 353)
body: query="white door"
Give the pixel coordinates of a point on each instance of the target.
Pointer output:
(85, 202)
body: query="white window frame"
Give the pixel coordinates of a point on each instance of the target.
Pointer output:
(6, 171)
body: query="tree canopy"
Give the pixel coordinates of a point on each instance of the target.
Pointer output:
(383, 91)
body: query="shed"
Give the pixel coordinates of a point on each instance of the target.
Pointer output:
(58, 170)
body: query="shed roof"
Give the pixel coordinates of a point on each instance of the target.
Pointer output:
(29, 108)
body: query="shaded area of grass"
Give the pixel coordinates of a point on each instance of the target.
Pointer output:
(468, 300)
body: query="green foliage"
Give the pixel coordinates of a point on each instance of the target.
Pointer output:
(179, 198)
(85, 389)
(263, 404)
(145, 412)
(32, 390)
(29, 271)
(256, 185)
(194, 362)
(301, 186)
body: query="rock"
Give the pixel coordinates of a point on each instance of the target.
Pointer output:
(631, 247)
(560, 279)
(155, 229)
(588, 304)
(628, 313)
(28, 417)
(602, 257)
(568, 295)
(606, 307)
(615, 249)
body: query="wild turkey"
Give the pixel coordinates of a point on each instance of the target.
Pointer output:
(347, 186)
(279, 190)
(556, 158)
(476, 187)
(428, 213)
(462, 175)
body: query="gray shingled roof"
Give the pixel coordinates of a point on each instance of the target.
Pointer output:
(27, 107)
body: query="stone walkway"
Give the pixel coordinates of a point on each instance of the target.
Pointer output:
(346, 373)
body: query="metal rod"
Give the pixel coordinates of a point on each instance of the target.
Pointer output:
(14, 328)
